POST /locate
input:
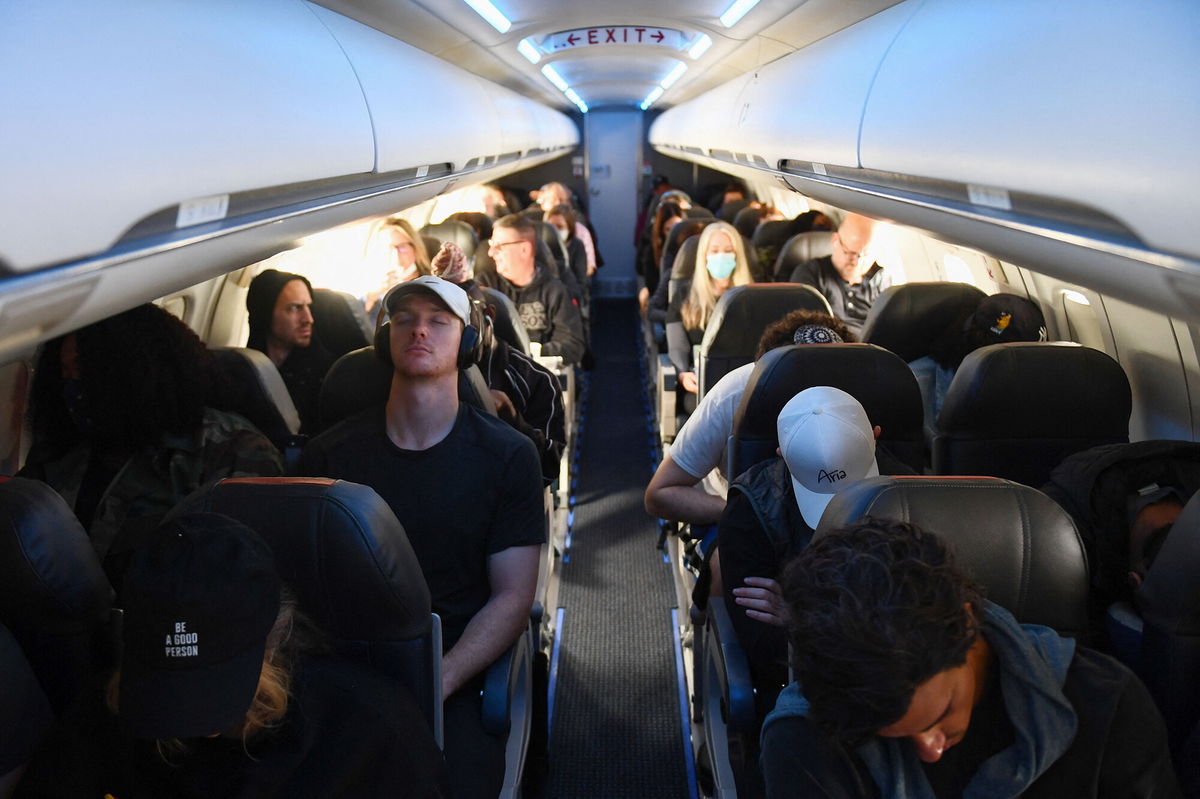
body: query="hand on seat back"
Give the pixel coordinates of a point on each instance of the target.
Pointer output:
(763, 600)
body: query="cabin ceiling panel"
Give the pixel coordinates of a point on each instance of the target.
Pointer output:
(607, 75)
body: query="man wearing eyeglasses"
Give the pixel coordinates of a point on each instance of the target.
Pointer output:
(546, 309)
(848, 280)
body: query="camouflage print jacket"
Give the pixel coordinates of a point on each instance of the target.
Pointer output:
(156, 479)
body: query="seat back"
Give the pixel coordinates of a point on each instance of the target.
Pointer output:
(507, 322)
(880, 381)
(54, 596)
(729, 211)
(746, 222)
(800, 248)
(359, 380)
(458, 232)
(1016, 410)
(738, 321)
(1012, 539)
(344, 553)
(683, 268)
(480, 222)
(432, 244)
(681, 233)
(254, 389)
(27, 715)
(908, 318)
(339, 321)
(1169, 600)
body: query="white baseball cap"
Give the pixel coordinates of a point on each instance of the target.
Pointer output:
(455, 298)
(827, 442)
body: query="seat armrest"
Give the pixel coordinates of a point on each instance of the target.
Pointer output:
(501, 683)
(666, 381)
(730, 670)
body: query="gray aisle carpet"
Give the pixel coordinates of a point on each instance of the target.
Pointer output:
(616, 729)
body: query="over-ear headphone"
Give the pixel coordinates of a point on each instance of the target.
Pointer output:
(470, 346)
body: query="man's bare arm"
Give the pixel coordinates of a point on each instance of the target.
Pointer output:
(675, 494)
(513, 574)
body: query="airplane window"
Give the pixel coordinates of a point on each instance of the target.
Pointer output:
(957, 269)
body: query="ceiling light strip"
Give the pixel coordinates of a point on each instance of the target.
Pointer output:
(700, 46)
(735, 12)
(529, 50)
(489, 12)
(673, 75)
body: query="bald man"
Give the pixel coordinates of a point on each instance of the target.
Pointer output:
(850, 282)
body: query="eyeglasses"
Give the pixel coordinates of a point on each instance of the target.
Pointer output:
(850, 254)
(495, 245)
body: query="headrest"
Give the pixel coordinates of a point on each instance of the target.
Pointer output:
(355, 382)
(800, 248)
(698, 212)
(679, 234)
(1170, 596)
(432, 244)
(337, 544)
(507, 322)
(50, 578)
(1012, 539)
(1031, 390)
(684, 266)
(908, 318)
(458, 232)
(480, 222)
(358, 380)
(338, 321)
(880, 381)
(746, 221)
(743, 312)
(729, 211)
(254, 389)
(772, 234)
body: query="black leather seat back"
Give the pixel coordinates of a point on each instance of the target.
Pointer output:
(881, 382)
(680, 233)
(480, 222)
(253, 388)
(729, 211)
(338, 321)
(54, 596)
(27, 715)
(1016, 410)
(340, 547)
(359, 380)
(800, 248)
(746, 222)
(737, 323)
(1169, 600)
(507, 323)
(460, 233)
(1012, 539)
(908, 318)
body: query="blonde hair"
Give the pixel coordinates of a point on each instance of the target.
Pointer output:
(702, 299)
(291, 634)
(419, 252)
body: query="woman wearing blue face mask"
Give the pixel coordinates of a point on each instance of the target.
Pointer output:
(720, 264)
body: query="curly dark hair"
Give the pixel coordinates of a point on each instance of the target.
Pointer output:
(143, 374)
(876, 609)
(780, 333)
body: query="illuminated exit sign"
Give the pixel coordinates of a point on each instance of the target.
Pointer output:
(619, 34)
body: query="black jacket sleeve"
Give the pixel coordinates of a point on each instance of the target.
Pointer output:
(566, 332)
(800, 762)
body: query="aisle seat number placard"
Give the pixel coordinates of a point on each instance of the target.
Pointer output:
(618, 34)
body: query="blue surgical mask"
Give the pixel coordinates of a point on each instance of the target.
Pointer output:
(720, 264)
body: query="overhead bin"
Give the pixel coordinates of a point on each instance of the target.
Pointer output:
(1062, 138)
(147, 146)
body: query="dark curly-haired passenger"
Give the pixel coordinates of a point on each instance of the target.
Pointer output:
(122, 427)
(910, 684)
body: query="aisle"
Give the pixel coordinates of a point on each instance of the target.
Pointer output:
(616, 729)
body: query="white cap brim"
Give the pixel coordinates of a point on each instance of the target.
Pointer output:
(812, 504)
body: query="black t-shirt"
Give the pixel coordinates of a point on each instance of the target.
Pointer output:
(348, 732)
(476, 492)
(303, 372)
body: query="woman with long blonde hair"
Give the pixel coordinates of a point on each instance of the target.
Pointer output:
(721, 264)
(396, 249)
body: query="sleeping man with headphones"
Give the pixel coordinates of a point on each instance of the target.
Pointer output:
(468, 489)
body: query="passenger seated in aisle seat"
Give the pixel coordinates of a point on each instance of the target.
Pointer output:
(562, 219)
(527, 394)
(847, 281)
(698, 453)
(550, 316)
(395, 247)
(122, 428)
(826, 443)
(223, 691)
(281, 327)
(916, 686)
(720, 265)
(665, 217)
(467, 489)
(998, 319)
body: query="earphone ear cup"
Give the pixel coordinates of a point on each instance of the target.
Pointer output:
(468, 347)
(383, 342)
